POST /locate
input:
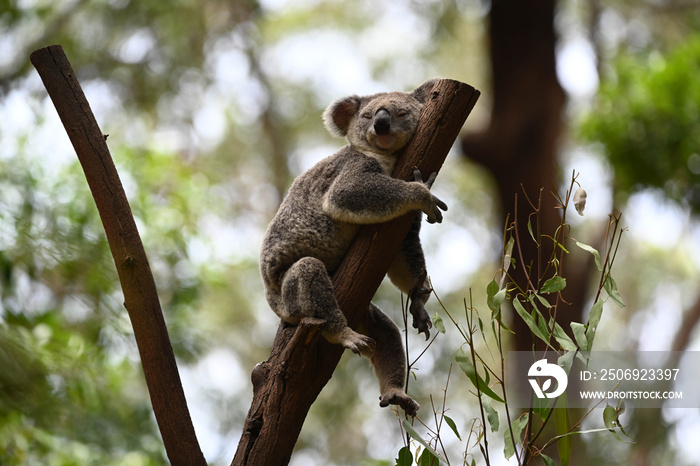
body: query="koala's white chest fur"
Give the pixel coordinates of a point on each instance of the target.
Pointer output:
(387, 162)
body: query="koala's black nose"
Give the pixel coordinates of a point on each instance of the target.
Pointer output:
(382, 122)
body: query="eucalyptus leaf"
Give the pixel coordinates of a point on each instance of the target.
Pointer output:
(611, 288)
(465, 363)
(517, 426)
(438, 323)
(491, 416)
(554, 284)
(428, 459)
(563, 339)
(579, 331)
(530, 321)
(405, 457)
(453, 426)
(416, 436)
(595, 314)
(592, 250)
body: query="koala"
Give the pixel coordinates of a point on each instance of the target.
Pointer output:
(321, 214)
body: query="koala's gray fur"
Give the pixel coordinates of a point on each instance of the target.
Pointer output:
(321, 214)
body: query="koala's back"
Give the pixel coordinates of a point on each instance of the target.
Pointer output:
(301, 228)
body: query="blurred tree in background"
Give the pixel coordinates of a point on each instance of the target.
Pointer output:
(212, 107)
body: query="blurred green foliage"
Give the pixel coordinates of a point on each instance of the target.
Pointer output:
(646, 119)
(68, 386)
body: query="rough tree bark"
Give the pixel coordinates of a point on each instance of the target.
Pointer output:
(138, 285)
(302, 362)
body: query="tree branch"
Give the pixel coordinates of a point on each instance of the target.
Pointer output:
(138, 285)
(301, 363)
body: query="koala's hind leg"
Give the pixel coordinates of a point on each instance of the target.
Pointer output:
(307, 291)
(388, 361)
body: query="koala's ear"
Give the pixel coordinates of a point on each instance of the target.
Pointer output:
(422, 92)
(339, 114)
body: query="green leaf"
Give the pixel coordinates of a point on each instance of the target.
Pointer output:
(453, 426)
(580, 335)
(530, 321)
(541, 322)
(517, 426)
(415, 436)
(438, 323)
(593, 251)
(563, 426)
(428, 459)
(507, 257)
(595, 314)
(495, 297)
(543, 301)
(499, 297)
(566, 360)
(465, 363)
(491, 416)
(405, 457)
(611, 422)
(554, 284)
(563, 339)
(491, 290)
(529, 229)
(590, 336)
(547, 460)
(611, 288)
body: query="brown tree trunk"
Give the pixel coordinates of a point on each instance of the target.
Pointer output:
(520, 146)
(138, 285)
(301, 363)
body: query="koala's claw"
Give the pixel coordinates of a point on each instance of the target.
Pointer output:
(417, 176)
(396, 396)
(433, 211)
(359, 344)
(419, 295)
(421, 320)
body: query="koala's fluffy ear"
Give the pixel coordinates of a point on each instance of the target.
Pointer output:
(339, 114)
(422, 92)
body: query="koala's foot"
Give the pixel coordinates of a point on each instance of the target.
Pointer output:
(421, 320)
(355, 342)
(396, 396)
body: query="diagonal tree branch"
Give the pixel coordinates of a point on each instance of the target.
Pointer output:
(301, 363)
(138, 285)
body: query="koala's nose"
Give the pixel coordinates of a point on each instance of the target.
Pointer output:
(382, 122)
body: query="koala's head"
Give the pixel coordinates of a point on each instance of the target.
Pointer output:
(380, 123)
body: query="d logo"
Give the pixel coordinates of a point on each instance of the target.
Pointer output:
(542, 369)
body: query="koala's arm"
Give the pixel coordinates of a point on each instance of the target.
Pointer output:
(368, 196)
(409, 274)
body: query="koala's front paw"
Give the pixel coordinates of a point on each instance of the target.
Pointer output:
(434, 205)
(396, 396)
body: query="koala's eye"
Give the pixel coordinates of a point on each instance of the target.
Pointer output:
(402, 114)
(367, 115)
